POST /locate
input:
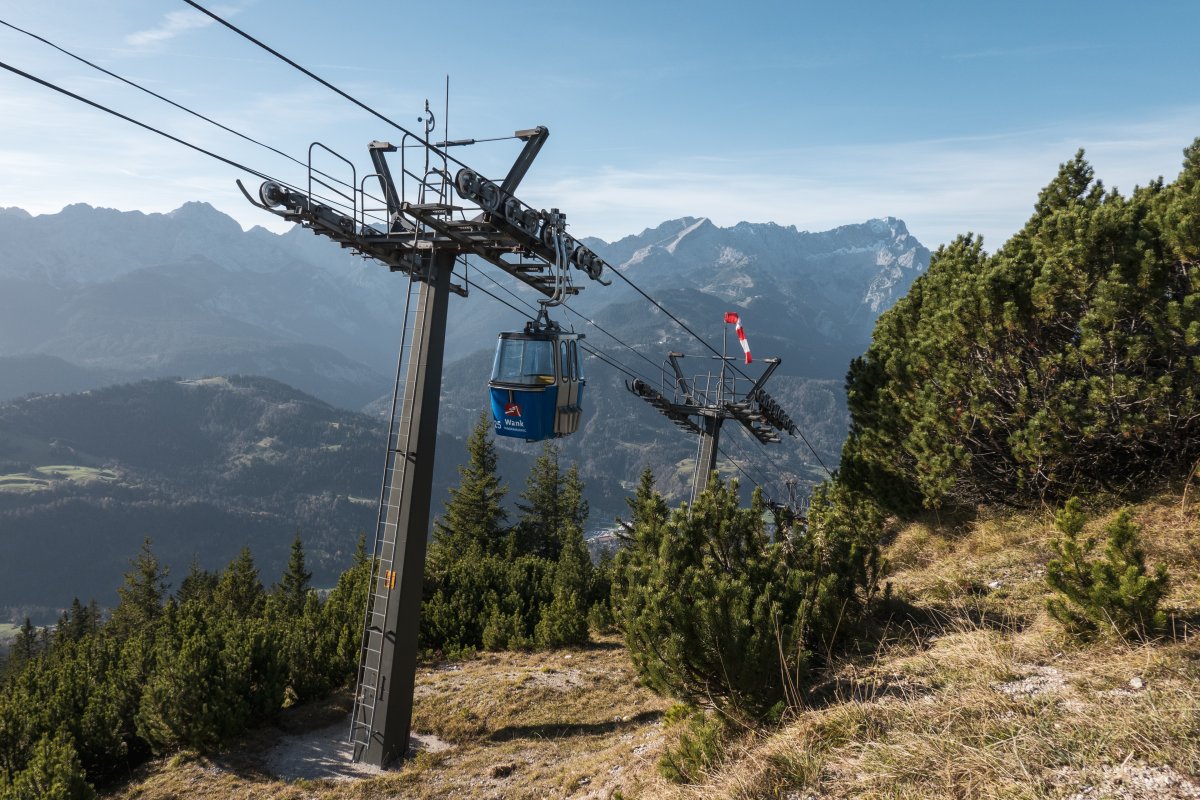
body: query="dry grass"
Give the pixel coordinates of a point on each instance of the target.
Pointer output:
(523, 725)
(973, 692)
(967, 690)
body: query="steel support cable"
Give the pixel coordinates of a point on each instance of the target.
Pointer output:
(217, 18)
(592, 350)
(600, 328)
(446, 156)
(151, 128)
(179, 106)
(590, 321)
(775, 465)
(739, 469)
(761, 473)
(140, 124)
(697, 337)
(599, 354)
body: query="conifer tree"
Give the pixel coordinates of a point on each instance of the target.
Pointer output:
(474, 517)
(342, 617)
(305, 652)
(77, 622)
(1063, 363)
(647, 505)
(1114, 593)
(696, 605)
(714, 612)
(537, 532)
(186, 702)
(141, 598)
(574, 507)
(198, 585)
(239, 591)
(563, 622)
(600, 617)
(293, 588)
(53, 773)
(23, 648)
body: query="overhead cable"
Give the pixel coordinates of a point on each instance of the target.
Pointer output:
(585, 318)
(218, 18)
(158, 96)
(583, 346)
(139, 123)
(607, 360)
(152, 129)
(441, 153)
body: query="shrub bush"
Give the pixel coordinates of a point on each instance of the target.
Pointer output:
(1111, 593)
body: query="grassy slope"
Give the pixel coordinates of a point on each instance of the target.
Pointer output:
(972, 690)
(968, 691)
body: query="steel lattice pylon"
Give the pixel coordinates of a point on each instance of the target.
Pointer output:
(702, 403)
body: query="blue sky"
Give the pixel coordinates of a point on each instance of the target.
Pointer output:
(948, 115)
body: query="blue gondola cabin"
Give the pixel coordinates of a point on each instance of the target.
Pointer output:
(537, 384)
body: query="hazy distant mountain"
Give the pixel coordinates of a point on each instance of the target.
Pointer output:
(21, 375)
(189, 293)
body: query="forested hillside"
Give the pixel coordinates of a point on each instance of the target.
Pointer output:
(204, 467)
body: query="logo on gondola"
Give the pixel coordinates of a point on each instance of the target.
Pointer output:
(512, 410)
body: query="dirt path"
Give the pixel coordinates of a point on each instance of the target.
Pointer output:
(326, 754)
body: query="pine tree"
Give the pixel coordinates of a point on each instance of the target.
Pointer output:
(239, 592)
(293, 588)
(1111, 594)
(305, 651)
(141, 598)
(537, 532)
(475, 517)
(24, 647)
(714, 612)
(342, 618)
(563, 622)
(466, 596)
(53, 773)
(1064, 362)
(294, 619)
(647, 505)
(187, 701)
(574, 507)
(198, 585)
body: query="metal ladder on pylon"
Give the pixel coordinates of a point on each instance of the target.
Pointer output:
(383, 551)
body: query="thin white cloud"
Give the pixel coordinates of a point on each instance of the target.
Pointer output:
(174, 24)
(1032, 51)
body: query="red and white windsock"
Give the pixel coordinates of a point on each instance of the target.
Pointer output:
(732, 316)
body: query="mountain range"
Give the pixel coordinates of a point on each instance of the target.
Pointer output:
(133, 295)
(93, 297)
